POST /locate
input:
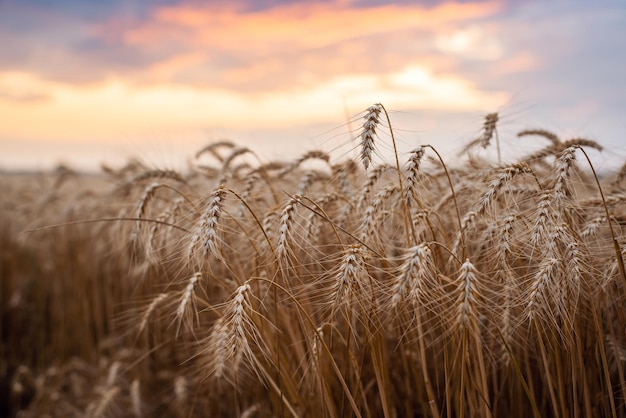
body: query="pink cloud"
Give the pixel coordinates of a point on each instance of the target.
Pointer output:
(521, 61)
(302, 25)
(289, 46)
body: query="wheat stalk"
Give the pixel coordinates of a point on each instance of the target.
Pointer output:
(100, 408)
(135, 397)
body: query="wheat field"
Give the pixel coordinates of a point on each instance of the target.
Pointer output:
(318, 287)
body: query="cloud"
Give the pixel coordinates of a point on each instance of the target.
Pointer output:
(473, 42)
(520, 62)
(116, 108)
(302, 25)
(277, 63)
(236, 45)
(289, 45)
(18, 88)
(8, 96)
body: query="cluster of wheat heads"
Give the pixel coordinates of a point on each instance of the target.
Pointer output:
(331, 289)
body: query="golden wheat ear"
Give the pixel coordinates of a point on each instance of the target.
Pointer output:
(368, 133)
(213, 147)
(488, 131)
(550, 136)
(232, 339)
(206, 233)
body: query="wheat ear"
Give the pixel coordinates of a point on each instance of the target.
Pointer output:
(233, 154)
(372, 177)
(489, 126)
(469, 301)
(151, 308)
(232, 337)
(285, 225)
(415, 280)
(496, 185)
(212, 149)
(563, 164)
(552, 137)
(621, 175)
(310, 155)
(186, 306)
(467, 298)
(368, 133)
(206, 230)
(234, 333)
(351, 284)
(147, 195)
(413, 166)
(341, 176)
(160, 174)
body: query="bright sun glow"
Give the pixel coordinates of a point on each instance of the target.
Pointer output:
(226, 68)
(115, 107)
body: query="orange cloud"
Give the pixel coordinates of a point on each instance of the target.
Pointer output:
(302, 44)
(314, 56)
(520, 62)
(116, 109)
(474, 42)
(169, 67)
(303, 25)
(21, 89)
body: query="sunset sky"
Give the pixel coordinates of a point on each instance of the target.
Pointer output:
(89, 82)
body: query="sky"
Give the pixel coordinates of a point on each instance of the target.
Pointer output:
(84, 83)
